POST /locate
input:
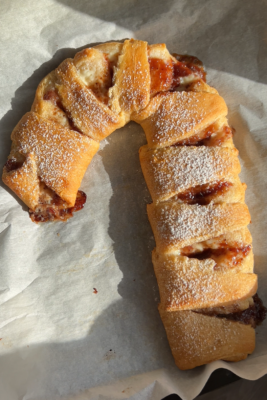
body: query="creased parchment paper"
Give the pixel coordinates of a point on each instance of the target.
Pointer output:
(59, 339)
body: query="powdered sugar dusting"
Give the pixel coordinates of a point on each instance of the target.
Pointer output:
(186, 281)
(175, 169)
(57, 149)
(134, 96)
(88, 113)
(131, 90)
(190, 284)
(188, 222)
(59, 156)
(197, 339)
(178, 113)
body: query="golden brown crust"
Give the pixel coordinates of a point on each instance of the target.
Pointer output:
(173, 117)
(59, 165)
(24, 181)
(201, 86)
(238, 238)
(131, 90)
(169, 171)
(94, 70)
(189, 284)
(177, 225)
(89, 115)
(94, 94)
(197, 339)
(48, 109)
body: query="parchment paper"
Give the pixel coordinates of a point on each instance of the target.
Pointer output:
(59, 339)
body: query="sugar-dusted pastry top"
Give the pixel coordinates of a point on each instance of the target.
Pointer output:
(177, 225)
(190, 284)
(177, 170)
(204, 257)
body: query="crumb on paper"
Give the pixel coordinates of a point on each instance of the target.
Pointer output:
(109, 355)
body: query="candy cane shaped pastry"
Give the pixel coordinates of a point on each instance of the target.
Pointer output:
(203, 258)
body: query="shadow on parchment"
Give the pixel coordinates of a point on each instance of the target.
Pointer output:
(225, 40)
(86, 363)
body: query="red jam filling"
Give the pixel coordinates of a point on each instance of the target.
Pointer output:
(205, 137)
(12, 164)
(198, 140)
(254, 315)
(193, 64)
(57, 209)
(166, 75)
(54, 98)
(225, 135)
(233, 255)
(161, 73)
(200, 194)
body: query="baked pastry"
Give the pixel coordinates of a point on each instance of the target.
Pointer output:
(203, 258)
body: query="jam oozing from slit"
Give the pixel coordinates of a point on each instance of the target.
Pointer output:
(211, 136)
(12, 164)
(168, 75)
(198, 140)
(161, 73)
(192, 63)
(233, 256)
(181, 70)
(201, 194)
(254, 315)
(225, 134)
(57, 209)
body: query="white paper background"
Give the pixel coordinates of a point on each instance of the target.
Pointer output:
(58, 338)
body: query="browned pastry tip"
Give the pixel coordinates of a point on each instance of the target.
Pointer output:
(200, 86)
(22, 178)
(51, 157)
